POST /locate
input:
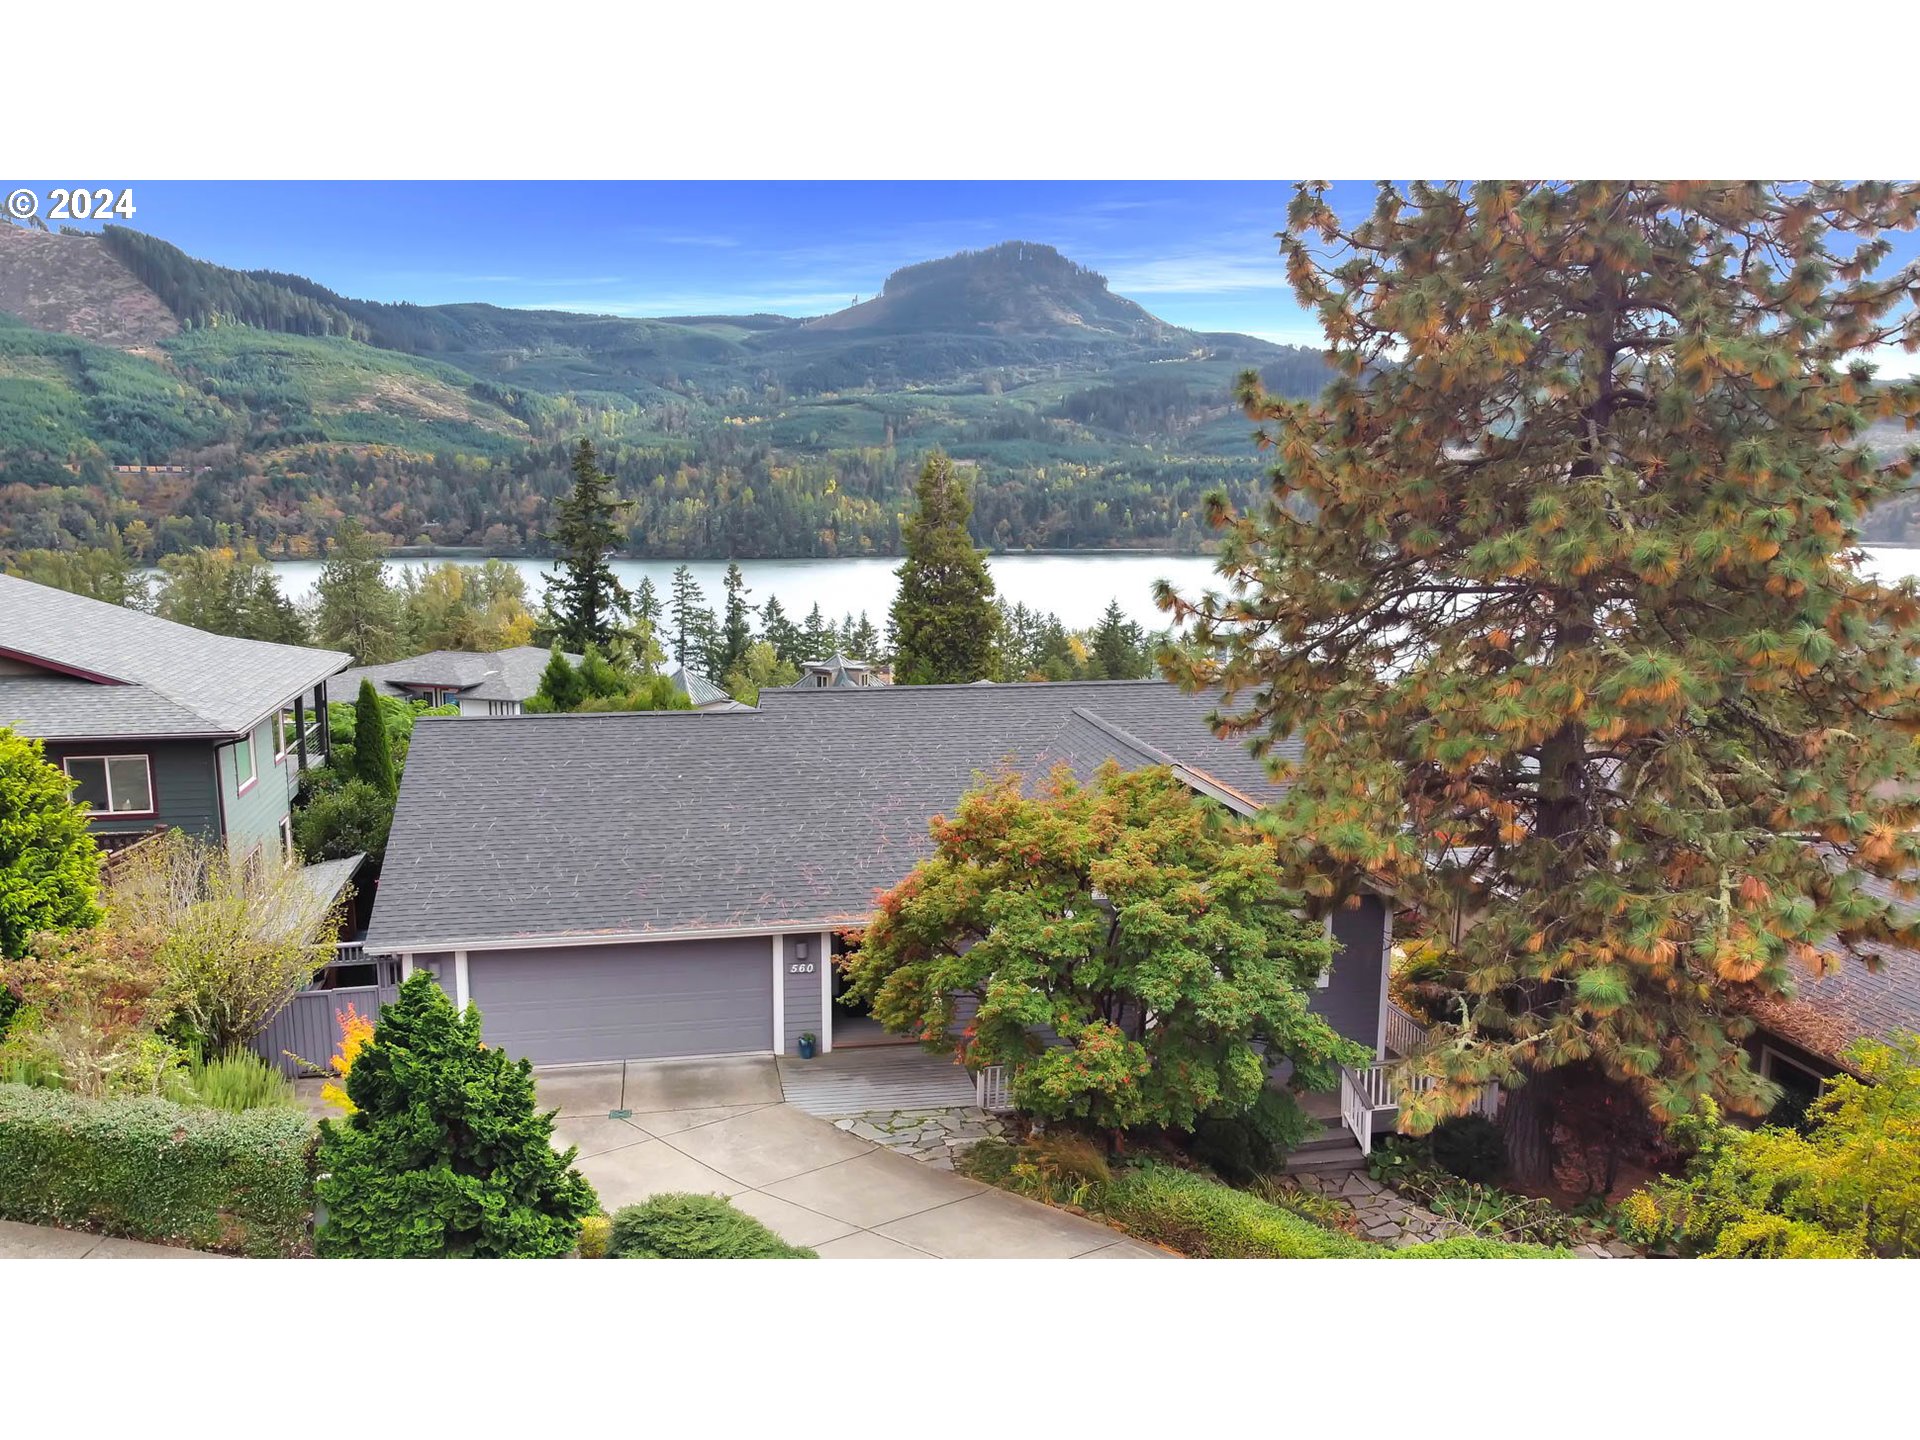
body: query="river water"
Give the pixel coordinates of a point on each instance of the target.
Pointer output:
(1076, 587)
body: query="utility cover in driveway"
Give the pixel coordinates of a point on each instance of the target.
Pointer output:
(626, 1002)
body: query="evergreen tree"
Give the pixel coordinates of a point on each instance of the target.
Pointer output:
(816, 636)
(862, 641)
(1556, 586)
(49, 863)
(646, 604)
(691, 619)
(1118, 646)
(230, 592)
(780, 632)
(356, 609)
(737, 631)
(372, 750)
(943, 616)
(584, 597)
(561, 688)
(446, 1153)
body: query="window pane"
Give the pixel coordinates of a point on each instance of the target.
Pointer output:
(243, 760)
(127, 779)
(92, 778)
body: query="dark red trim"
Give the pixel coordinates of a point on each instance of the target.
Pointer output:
(58, 668)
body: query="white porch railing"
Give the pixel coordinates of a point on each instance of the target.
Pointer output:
(1369, 1090)
(1404, 1033)
(990, 1088)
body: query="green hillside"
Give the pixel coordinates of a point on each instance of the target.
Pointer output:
(1085, 420)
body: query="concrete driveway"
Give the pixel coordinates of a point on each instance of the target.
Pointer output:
(721, 1127)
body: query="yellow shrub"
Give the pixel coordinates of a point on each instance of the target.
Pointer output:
(593, 1237)
(355, 1031)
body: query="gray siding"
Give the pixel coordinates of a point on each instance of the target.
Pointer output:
(184, 793)
(801, 990)
(1351, 1001)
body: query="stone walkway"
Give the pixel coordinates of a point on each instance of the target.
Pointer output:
(1391, 1219)
(933, 1137)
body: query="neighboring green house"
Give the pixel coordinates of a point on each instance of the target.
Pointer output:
(159, 724)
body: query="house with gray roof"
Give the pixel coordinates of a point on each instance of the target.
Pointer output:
(837, 672)
(160, 724)
(702, 693)
(480, 682)
(663, 884)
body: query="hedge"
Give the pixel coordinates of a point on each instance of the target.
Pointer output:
(153, 1170)
(1203, 1218)
(695, 1227)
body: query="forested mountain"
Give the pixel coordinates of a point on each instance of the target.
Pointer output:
(1080, 418)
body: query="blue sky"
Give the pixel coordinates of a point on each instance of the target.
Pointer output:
(1198, 253)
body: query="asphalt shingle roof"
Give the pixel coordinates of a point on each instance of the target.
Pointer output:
(797, 813)
(511, 674)
(162, 678)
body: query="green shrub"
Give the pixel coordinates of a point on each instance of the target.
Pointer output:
(595, 1230)
(1254, 1143)
(1201, 1217)
(152, 1170)
(236, 1081)
(1849, 1186)
(1474, 1247)
(1471, 1147)
(1323, 1210)
(695, 1227)
(444, 1154)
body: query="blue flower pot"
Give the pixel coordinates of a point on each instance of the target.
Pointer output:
(806, 1048)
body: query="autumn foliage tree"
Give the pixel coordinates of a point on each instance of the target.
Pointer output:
(1556, 585)
(1133, 921)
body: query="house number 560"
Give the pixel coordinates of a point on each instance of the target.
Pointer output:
(804, 967)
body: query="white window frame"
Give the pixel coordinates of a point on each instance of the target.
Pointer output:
(1770, 1057)
(284, 731)
(286, 838)
(106, 780)
(253, 765)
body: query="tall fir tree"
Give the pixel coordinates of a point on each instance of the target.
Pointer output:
(943, 617)
(585, 599)
(736, 632)
(1556, 587)
(690, 619)
(780, 631)
(356, 608)
(372, 748)
(1118, 648)
(816, 636)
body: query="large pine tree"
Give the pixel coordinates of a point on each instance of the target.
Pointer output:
(585, 599)
(1556, 585)
(943, 617)
(356, 609)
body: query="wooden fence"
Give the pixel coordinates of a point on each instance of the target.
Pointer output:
(302, 1037)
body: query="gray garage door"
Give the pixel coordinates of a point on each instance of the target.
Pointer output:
(626, 1002)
